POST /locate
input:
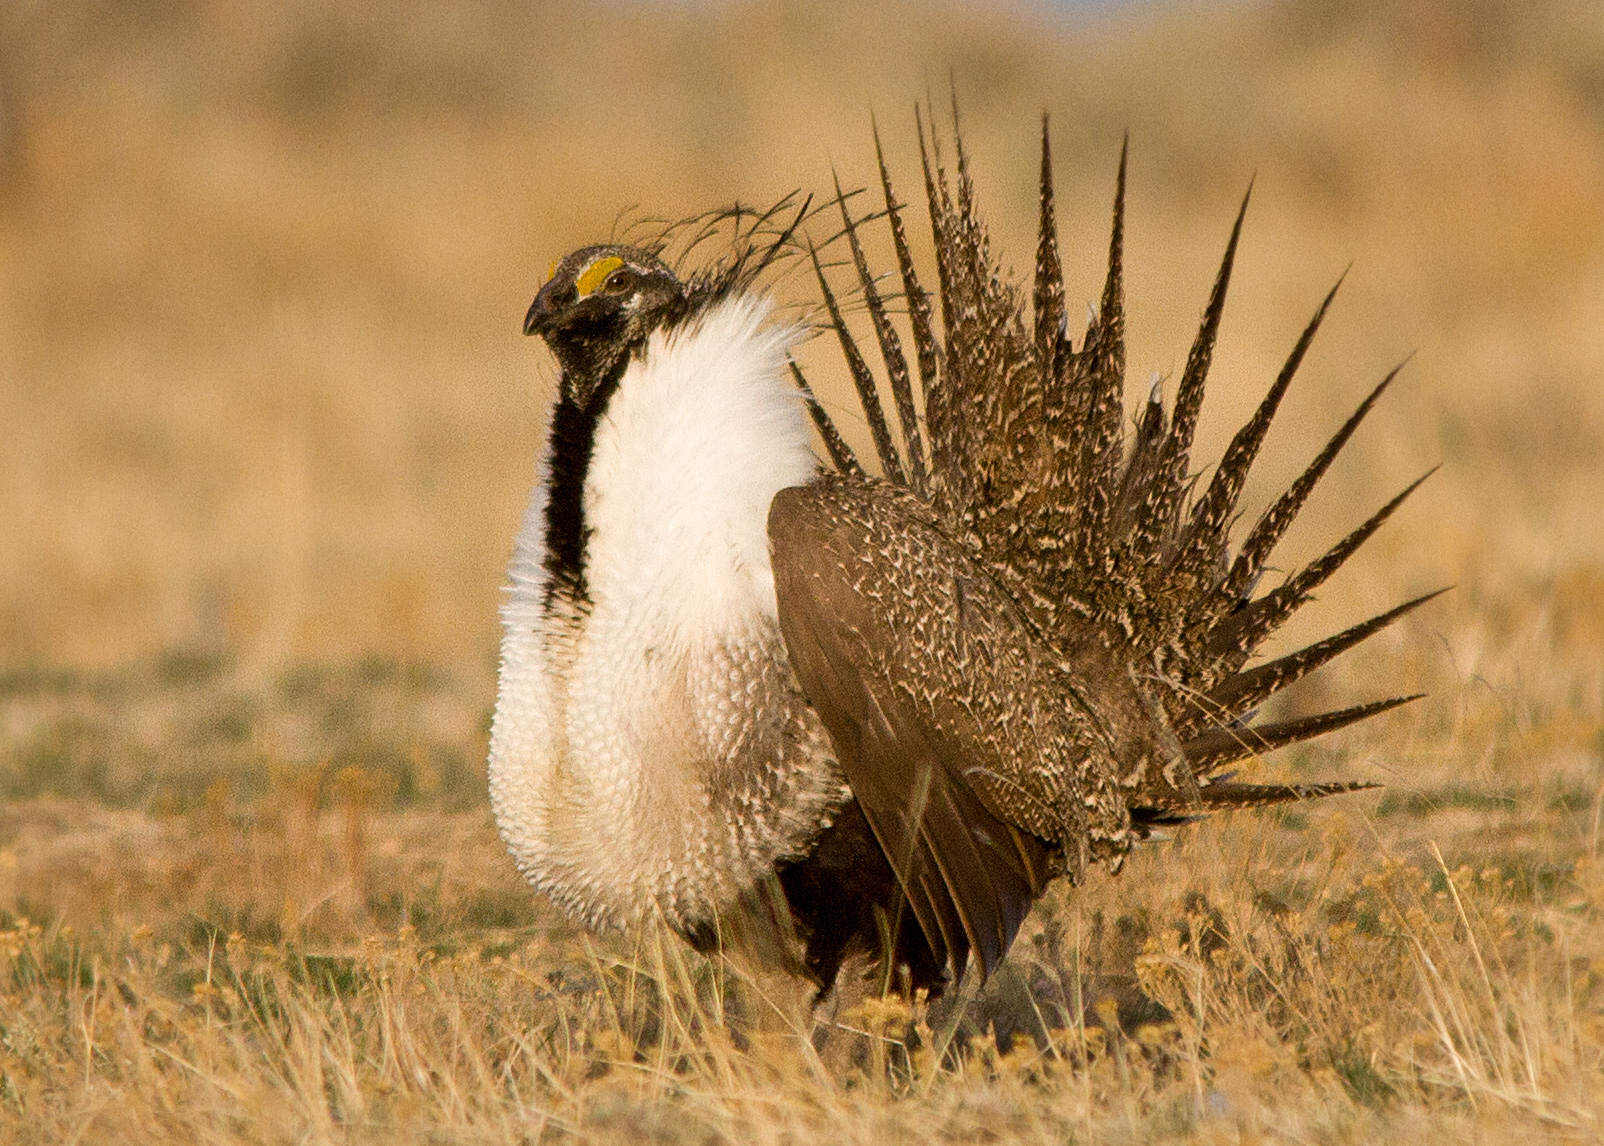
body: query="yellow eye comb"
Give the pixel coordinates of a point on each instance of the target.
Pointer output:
(594, 275)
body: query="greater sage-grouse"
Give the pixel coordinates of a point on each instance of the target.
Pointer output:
(818, 712)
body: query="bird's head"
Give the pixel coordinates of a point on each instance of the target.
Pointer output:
(599, 305)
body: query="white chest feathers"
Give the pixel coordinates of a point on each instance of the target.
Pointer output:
(649, 751)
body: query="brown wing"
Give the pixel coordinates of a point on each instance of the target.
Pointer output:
(976, 779)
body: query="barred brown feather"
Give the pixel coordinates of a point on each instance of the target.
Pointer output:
(1102, 548)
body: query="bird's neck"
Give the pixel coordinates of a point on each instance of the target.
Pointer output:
(572, 441)
(658, 489)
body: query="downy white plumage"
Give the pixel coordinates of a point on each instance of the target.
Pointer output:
(617, 720)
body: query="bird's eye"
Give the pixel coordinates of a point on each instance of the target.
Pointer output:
(619, 281)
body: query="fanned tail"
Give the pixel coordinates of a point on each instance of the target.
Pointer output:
(1099, 538)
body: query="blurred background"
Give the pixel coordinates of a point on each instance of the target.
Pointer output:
(268, 424)
(267, 407)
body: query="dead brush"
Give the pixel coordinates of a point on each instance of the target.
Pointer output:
(1348, 996)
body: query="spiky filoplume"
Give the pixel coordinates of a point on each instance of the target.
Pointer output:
(1105, 546)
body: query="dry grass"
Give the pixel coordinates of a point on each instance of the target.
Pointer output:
(270, 426)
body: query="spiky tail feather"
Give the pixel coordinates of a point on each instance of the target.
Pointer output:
(1027, 459)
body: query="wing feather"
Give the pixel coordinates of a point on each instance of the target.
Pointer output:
(971, 857)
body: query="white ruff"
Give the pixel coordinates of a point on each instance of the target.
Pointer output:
(608, 723)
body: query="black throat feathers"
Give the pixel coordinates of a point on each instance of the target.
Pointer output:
(573, 439)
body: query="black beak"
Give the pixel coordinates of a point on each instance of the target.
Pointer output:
(538, 320)
(543, 312)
